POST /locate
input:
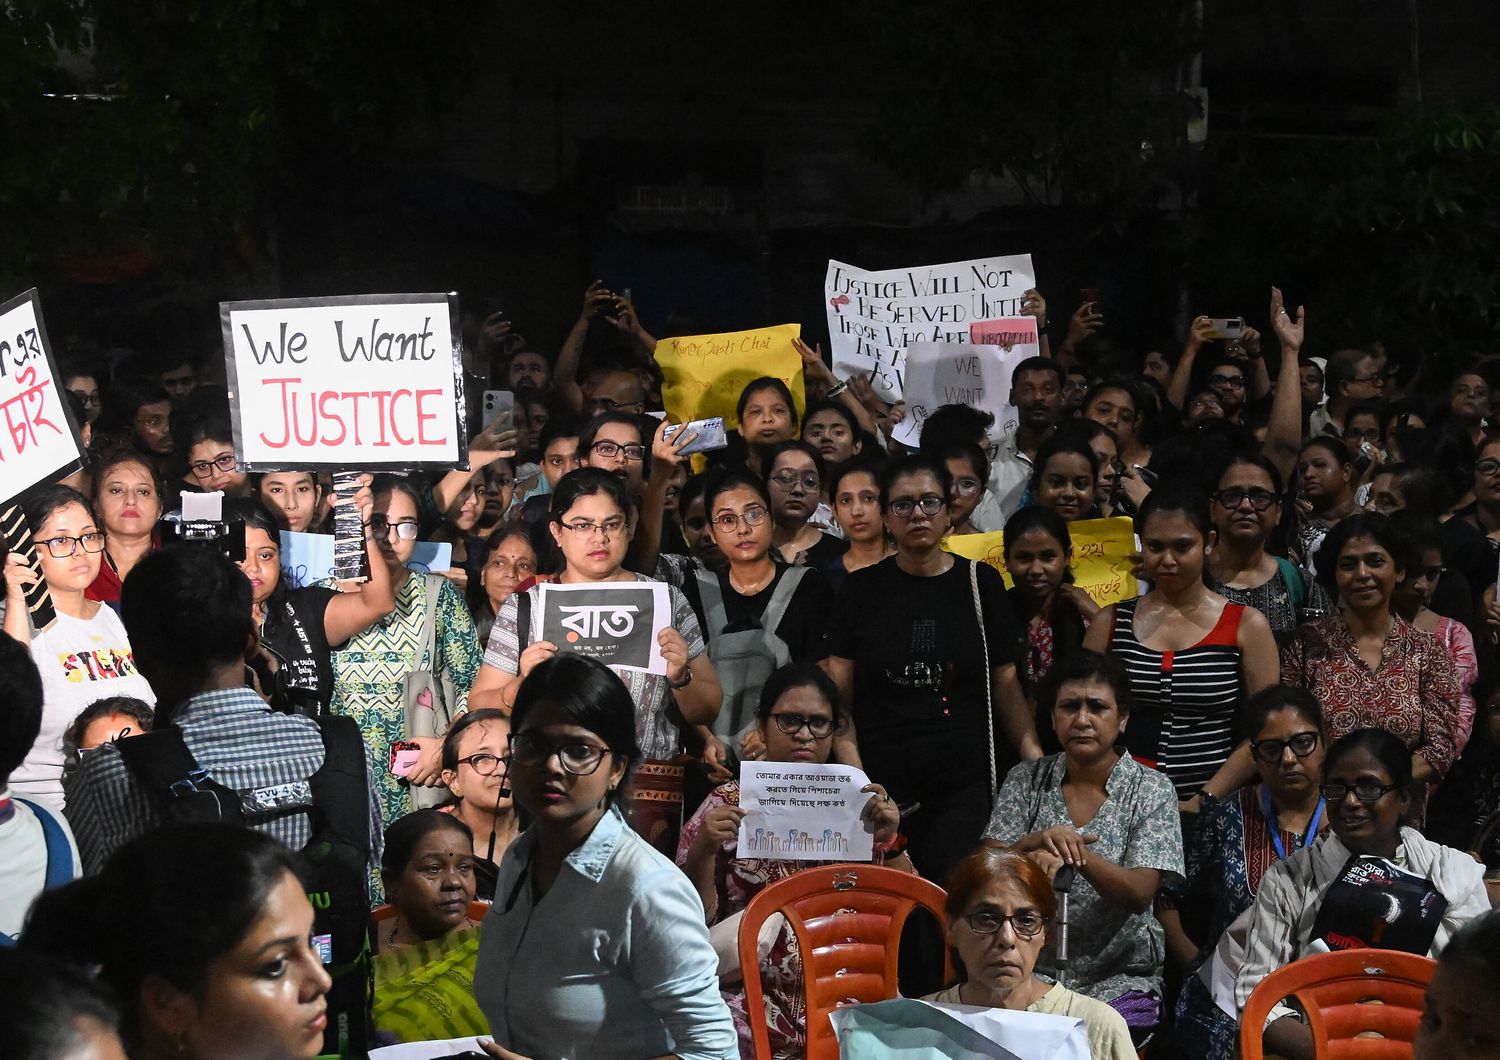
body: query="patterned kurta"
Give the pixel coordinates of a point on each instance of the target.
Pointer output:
(1113, 950)
(1414, 694)
(369, 668)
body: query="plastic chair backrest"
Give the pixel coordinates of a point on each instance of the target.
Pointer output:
(1346, 994)
(477, 909)
(848, 921)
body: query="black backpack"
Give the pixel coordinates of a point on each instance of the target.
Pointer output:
(336, 857)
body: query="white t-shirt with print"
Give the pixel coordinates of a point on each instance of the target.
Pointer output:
(80, 660)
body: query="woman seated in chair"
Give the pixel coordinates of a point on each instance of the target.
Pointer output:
(798, 714)
(425, 953)
(1367, 777)
(1111, 820)
(1000, 905)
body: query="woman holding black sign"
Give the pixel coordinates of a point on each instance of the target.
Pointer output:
(1408, 893)
(592, 525)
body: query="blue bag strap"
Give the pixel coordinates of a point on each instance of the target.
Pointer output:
(59, 850)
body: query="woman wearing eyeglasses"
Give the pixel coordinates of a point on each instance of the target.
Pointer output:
(429, 631)
(1115, 822)
(210, 458)
(753, 607)
(1245, 511)
(474, 751)
(596, 945)
(591, 525)
(970, 469)
(1228, 852)
(925, 649)
(1000, 907)
(85, 655)
(1369, 667)
(1366, 778)
(795, 721)
(794, 480)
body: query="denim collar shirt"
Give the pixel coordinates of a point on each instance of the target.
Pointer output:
(613, 962)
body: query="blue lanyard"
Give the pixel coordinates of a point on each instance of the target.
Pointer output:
(1270, 812)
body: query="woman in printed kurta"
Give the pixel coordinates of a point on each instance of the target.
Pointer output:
(368, 669)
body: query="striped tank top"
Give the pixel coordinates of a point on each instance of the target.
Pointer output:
(1185, 701)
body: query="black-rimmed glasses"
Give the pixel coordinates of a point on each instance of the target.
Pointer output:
(1366, 791)
(379, 526)
(930, 505)
(63, 547)
(791, 724)
(223, 462)
(1233, 497)
(1302, 745)
(1027, 923)
(483, 763)
(578, 757)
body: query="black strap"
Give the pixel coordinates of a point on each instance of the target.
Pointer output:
(340, 788)
(175, 781)
(523, 621)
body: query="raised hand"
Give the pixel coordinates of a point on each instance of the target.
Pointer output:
(1290, 333)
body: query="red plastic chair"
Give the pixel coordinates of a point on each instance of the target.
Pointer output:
(1360, 1004)
(848, 921)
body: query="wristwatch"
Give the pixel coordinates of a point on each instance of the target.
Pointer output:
(674, 685)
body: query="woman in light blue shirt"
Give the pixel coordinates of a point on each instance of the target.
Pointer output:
(596, 946)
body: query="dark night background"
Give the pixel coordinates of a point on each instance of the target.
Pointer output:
(157, 156)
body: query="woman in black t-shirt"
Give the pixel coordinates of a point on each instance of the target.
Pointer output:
(299, 626)
(928, 693)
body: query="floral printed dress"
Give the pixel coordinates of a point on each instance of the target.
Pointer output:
(368, 670)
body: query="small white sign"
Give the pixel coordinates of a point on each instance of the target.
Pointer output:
(797, 811)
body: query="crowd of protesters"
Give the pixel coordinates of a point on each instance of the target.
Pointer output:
(1309, 674)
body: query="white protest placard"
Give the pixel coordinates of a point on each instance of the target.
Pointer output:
(367, 381)
(616, 623)
(39, 442)
(874, 316)
(797, 811)
(952, 373)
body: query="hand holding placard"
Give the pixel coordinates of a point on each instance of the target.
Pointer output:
(24, 585)
(796, 811)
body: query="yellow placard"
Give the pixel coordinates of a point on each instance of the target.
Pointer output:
(1101, 550)
(703, 375)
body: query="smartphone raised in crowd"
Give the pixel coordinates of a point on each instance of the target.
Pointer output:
(498, 405)
(709, 435)
(1226, 327)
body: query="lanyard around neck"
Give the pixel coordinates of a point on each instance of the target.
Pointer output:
(1270, 812)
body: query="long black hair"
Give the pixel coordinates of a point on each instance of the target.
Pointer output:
(593, 697)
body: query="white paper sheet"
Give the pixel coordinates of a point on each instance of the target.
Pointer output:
(799, 811)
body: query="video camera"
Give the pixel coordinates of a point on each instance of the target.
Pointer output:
(200, 521)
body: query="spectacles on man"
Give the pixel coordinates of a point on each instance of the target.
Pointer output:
(1302, 745)
(729, 521)
(578, 757)
(788, 479)
(1027, 923)
(405, 530)
(791, 724)
(1233, 382)
(610, 450)
(204, 468)
(90, 401)
(1366, 791)
(611, 527)
(1233, 497)
(63, 547)
(483, 763)
(902, 507)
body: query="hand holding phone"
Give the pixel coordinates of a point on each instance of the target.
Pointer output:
(498, 405)
(405, 756)
(709, 435)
